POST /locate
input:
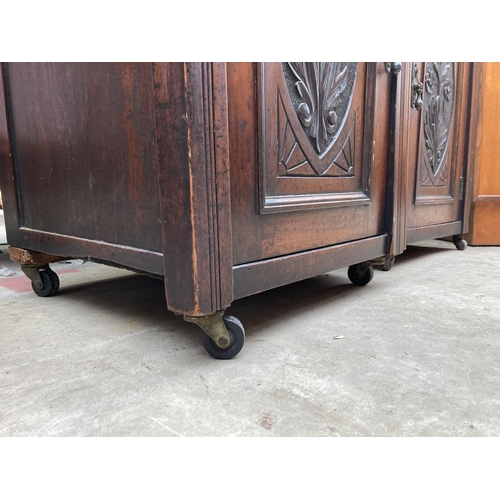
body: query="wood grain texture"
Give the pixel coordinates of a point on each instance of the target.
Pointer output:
(257, 236)
(191, 125)
(8, 183)
(168, 168)
(270, 273)
(83, 143)
(443, 230)
(27, 257)
(484, 217)
(397, 172)
(485, 222)
(488, 161)
(427, 204)
(72, 247)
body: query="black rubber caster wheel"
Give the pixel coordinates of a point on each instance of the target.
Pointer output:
(50, 282)
(236, 334)
(459, 243)
(360, 280)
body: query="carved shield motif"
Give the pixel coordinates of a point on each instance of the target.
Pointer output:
(437, 120)
(321, 93)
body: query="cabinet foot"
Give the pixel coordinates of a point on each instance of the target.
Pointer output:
(388, 263)
(224, 335)
(459, 242)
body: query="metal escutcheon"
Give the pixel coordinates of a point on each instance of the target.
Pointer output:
(418, 88)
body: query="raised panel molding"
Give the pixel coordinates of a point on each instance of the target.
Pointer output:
(435, 184)
(437, 121)
(314, 120)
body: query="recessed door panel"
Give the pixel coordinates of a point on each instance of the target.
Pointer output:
(438, 131)
(311, 136)
(308, 165)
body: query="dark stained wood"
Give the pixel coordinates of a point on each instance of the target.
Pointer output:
(264, 235)
(83, 143)
(430, 205)
(191, 124)
(7, 175)
(186, 170)
(399, 146)
(80, 248)
(270, 273)
(295, 176)
(414, 235)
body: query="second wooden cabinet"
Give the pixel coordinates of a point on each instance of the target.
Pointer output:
(436, 137)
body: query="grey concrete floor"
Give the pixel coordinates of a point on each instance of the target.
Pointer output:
(418, 355)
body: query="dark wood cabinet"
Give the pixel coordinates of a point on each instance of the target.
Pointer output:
(435, 135)
(229, 179)
(312, 174)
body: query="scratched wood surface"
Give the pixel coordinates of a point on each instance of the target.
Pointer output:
(225, 179)
(298, 226)
(83, 139)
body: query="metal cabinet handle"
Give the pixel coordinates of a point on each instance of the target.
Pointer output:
(418, 88)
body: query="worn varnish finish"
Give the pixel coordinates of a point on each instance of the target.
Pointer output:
(438, 151)
(191, 123)
(231, 179)
(78, 148)
(84, 149)
(313, 223)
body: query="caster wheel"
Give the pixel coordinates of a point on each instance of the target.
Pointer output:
(362, 280)
(50, 282)
(459, 242)
(388, 263)
(237, 335)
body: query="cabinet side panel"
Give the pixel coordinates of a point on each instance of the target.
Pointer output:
(7, 177)
(83, 145)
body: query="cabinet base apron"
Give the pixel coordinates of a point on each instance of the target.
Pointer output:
(263, 275)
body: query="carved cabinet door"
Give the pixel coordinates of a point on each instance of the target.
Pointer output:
(437, 148)
(308, 163)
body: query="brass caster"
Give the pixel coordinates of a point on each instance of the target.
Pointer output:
(224, 335)
(44, 281)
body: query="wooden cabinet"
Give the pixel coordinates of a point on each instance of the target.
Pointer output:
(312, 172)
(230, 179)
(438, 154)
(485, 209)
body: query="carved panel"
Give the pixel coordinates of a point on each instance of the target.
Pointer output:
(315, 125)
(321, 93)
(437, 122)
(293, 161)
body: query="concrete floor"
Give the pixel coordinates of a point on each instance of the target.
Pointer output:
(419, 355)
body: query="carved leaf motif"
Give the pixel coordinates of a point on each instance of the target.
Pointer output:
(437, 113)
(333, 96)
(320, 86)
(293, 162)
